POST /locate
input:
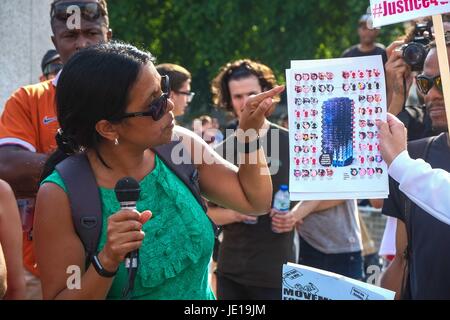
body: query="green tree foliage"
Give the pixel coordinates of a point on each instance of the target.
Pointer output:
(203, 35)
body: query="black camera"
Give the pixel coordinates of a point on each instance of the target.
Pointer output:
(415, 52)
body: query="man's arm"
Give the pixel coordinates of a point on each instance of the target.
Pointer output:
(393, 277)
(305, 208)
(11, 240)
(328, 204)
(21, 169)
(20, 165)
(376, 203)
(398, 74)
(222, 216)
(286, 222)
(422, 184)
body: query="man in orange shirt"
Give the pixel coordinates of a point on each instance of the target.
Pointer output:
(28, 124)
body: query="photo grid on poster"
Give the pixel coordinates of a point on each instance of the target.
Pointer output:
(333, 106)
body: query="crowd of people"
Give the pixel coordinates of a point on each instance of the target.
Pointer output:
(205, 228)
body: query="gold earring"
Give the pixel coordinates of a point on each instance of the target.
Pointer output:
(116, 142)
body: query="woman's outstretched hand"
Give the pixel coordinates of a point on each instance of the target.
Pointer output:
(257, 108)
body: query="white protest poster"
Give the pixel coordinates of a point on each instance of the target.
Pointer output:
(306, 283)
(333, 106)
(385, 12)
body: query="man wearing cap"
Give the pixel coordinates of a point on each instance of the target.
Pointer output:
(28, 124)
(51, 65)
(367, 45)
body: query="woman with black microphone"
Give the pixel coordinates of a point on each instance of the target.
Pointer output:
(113, 106)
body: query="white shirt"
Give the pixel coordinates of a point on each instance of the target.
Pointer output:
(387, 246)
(428, 188)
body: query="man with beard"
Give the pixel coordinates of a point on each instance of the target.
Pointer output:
(419, 269)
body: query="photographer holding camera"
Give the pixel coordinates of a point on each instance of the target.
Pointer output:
(406, 58)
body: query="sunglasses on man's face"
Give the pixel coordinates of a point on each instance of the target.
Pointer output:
(90, 11)
(158, 107)
(424, 83)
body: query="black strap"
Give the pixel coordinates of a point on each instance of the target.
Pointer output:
(419, 149)
(84, 200)
(132, 272)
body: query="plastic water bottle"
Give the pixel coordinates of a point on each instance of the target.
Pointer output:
(281, 201)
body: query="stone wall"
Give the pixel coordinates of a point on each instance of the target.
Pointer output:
(24, 38)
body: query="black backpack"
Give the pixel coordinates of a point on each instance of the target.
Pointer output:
(84, 196)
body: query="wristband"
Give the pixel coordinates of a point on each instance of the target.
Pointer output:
(249, 147)
(100, 269)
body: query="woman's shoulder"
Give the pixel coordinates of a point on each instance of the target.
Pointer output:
(186, 134)
(4, 187)
(193, 142)
(55, 178)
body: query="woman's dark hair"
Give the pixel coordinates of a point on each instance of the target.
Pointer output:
(237, 70)
(94, 85)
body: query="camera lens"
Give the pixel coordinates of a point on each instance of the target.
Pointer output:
(414, 54)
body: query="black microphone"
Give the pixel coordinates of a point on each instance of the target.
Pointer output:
(127, 193)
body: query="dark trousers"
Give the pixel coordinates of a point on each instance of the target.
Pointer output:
(347, 264)
(369, 261)
(228, 289)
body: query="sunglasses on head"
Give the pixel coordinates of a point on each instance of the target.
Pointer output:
(158, 107)
(242, 70)
(90, 11)
(52, 68)
(424, 83)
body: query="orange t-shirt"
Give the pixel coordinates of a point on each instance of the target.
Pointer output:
(29, 120)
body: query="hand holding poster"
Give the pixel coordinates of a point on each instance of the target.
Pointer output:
(334, 148)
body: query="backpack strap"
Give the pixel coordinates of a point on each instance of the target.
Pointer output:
(84, 198)
(187, 172)
(419, 149)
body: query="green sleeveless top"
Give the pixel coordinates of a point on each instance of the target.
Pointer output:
(178, 242)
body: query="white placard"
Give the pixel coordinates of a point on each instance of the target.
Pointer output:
(306, 283)
(301, 196)
(385, 12)
(333, 106)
